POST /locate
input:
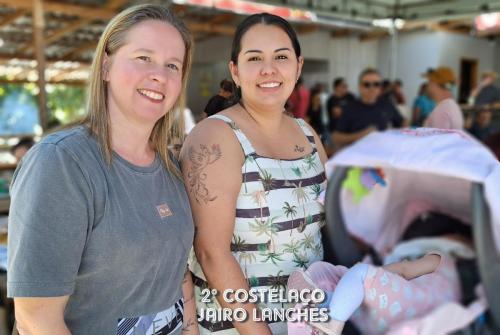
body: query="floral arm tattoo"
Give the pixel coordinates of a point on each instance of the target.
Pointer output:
(200, 159)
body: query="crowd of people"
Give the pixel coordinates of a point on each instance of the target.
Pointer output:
(340, 118)
(345, 118)
(110, 232)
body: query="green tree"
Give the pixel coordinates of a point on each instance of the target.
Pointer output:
(66, 103)
(18, 108)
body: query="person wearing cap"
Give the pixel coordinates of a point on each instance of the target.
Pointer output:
(447, 114)
(486, 93)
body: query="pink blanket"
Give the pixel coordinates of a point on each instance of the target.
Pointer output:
(442, 320)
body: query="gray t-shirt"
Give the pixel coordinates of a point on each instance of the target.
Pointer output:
(115, 238)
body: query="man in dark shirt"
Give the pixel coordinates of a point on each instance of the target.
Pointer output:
(368, 113)
(338, 101)
(487, 93)
(220, 101)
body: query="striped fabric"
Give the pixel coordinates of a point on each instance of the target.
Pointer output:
(165, 322)
(278, 221)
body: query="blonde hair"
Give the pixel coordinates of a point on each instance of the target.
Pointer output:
(166, 129)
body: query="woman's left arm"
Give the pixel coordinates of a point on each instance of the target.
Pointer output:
(190, 323)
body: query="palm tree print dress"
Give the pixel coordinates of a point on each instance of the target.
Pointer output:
(277, 227)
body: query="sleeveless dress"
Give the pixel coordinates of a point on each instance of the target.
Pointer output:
(277, 227)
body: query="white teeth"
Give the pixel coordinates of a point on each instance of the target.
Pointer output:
(152, 95)
(269, 85)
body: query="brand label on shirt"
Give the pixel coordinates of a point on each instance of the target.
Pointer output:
(164, 210)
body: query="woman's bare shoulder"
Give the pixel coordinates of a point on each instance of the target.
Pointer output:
(212, 134)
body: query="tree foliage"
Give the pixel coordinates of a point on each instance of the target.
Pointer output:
(19, 106)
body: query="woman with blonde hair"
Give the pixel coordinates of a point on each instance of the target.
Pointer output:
(100, 227)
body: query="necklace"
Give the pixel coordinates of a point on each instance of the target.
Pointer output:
(244, 108)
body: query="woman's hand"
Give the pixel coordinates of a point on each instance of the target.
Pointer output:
(41, 316)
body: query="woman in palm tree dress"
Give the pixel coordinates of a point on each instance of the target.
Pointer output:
(254, 175)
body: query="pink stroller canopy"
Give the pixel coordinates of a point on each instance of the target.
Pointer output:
(422, 169)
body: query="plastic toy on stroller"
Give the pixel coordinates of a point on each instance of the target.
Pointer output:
(377, 185)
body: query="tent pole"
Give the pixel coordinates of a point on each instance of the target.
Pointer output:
(38, 37)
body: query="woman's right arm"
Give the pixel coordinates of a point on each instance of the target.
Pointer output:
(50, 214)
(41, 316)
(211, 160)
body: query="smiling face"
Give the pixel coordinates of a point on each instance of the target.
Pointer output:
(145, 75)
(267, 67)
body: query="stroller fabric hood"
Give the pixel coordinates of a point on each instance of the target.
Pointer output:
(424, 169)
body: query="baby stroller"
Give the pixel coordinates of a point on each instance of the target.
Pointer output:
(447, 168)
